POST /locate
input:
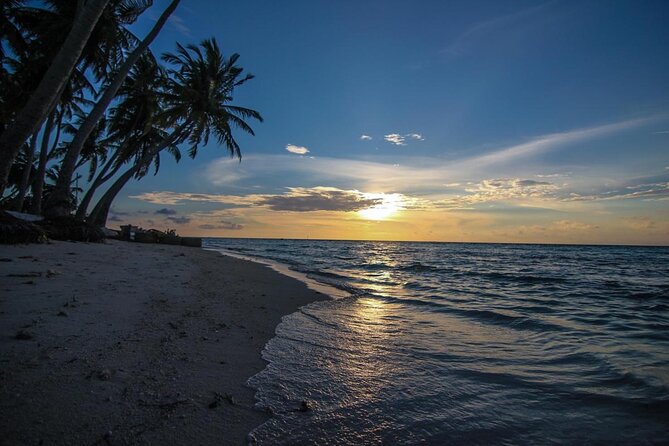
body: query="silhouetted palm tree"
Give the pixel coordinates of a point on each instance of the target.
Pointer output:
(58, 204)
(197, 103)
(41, 101)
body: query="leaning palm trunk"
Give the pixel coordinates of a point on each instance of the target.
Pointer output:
(59, 200)
(100, 212)
(41, 101)
(103, 176)
(38, 183)
(25, 177)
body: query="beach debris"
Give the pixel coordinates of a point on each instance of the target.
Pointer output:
(5, 259)
(104, 375)
(28, 282)
(31, 274)
(23, 335)
(51, 273)
(219, 398)
(69, 228)
(15, 230)
(71, 303)
(62, 313)
(305, 406)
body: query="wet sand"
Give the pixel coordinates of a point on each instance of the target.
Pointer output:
(123, 343)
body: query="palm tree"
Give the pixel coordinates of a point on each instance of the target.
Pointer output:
(41, 101)
(132, 123)
(58, 204)
(197, 103)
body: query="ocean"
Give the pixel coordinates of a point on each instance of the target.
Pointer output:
(459, 343)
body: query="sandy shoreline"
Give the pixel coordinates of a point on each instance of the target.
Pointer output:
(134, 344)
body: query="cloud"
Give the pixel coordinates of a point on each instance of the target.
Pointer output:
(365, 137)
(484, 29)
(553, 140)
(500, 189)
(298, 150)
(179, 220)
(295, 199)
(180, 25)
(408, 174)
(395, 138)
(166, 211)
(300, 199)
(400, 140)
(662, 132)
(650, 191)
(223, 225)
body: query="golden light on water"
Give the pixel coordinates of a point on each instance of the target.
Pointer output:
(390, 205)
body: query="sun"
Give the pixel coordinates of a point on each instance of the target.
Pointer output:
(390, 204)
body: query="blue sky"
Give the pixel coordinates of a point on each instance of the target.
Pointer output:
(489, 120)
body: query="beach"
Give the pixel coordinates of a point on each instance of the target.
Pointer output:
(124, 343)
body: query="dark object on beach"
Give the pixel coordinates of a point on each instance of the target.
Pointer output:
(304, 406)
(146, 237)
(14, 230)
(69, 228)
(219, 398)
(169, 237)
(23, 335)
(104, 375)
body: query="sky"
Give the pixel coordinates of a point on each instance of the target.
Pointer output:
(458, 121)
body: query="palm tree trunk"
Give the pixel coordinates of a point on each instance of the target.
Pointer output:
(59, 203)
(100, 212)
(102, 176)
(38, 184)
(25, 178)
(41, 101)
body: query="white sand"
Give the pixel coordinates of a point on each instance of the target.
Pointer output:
(132, 343)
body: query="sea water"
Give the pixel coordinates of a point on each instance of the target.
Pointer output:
(455, 343)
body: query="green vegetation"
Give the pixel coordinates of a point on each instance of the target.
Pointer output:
(80, 94)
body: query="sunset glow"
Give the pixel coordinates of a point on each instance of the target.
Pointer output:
(464, 153)
(390, 204)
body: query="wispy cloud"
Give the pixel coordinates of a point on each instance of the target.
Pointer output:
(223, 224)
(366, 137)
(298, 150)
(497, 190)
(484, 30)
(180, 25)
(553, 140)
(417, 136)
(651, 191)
